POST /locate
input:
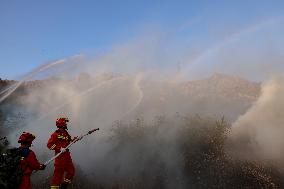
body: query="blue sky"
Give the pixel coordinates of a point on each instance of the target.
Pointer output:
(34, 32)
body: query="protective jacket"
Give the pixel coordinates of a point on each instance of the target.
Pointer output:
(63, 163)
(28, 163)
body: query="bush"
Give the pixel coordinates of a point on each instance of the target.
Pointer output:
(177, 152)
(172, 152)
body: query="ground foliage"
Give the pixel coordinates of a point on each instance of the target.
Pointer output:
(196, 146)
(173, 152)
(11, 172)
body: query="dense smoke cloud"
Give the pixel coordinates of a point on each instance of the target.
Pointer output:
(92, 101)
(142, 79)
(259, 132)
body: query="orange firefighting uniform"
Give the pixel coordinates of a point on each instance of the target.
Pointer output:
(28, 163)
(63, 163)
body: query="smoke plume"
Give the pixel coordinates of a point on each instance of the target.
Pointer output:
(133, 81)
(259, 132)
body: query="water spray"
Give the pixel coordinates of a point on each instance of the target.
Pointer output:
(83, 93)
(11, 89)
(31, 74)
(140, 98)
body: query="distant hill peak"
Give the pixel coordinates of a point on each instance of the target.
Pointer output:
(218, 75)
(224, 85)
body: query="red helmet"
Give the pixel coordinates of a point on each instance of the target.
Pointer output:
(62, 122)
(26, 137)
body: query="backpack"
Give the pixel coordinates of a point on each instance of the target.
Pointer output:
(10, 170)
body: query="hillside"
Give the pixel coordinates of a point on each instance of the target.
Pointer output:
(220, 94)
(175, 149)
(217, 95)
(223, 86)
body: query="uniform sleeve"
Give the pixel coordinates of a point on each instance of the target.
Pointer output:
(52, 142)
(32, 161)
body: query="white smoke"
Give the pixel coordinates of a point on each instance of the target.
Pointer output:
(260, 131)
(116, 86)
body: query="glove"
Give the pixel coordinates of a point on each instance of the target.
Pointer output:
(62, 149)
(42, 167)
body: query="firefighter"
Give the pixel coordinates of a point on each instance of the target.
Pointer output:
(28, 161)
(59, 140)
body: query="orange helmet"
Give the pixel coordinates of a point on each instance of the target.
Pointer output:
(62, 122)
(26, 137)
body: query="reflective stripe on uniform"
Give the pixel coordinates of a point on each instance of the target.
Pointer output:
(53, 146)
(62, 137)
(54, 187)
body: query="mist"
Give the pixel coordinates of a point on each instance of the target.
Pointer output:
(259, 132)
(143, 79)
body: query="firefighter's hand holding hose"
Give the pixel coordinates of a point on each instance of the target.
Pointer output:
(62, 150)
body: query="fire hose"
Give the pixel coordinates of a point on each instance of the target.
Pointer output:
(67, 147)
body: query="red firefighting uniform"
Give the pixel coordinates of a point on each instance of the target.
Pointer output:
(28, 164)
(63, 163)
